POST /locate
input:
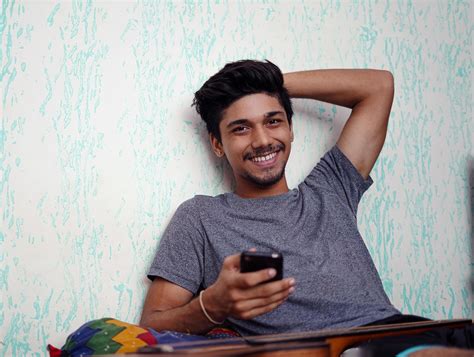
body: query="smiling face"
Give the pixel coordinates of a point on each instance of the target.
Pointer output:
(256, 140)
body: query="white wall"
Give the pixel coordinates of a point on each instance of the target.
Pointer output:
(99, 144)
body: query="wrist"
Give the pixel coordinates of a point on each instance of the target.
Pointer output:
(210, 306)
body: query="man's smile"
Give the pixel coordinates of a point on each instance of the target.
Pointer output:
(265, 161)
(264, 155)
(264, 158)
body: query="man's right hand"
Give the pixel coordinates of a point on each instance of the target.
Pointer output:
(242, 295)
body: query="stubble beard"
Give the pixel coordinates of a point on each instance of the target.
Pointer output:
(268, 178)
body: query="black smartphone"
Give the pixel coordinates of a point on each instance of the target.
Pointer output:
(255, 261)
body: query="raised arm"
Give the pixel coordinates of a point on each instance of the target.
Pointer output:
(369, 93)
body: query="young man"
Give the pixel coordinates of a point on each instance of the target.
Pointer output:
(331, 279)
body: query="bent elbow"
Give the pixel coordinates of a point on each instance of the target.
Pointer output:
(146, 320)
(387, 81)
(143, 321)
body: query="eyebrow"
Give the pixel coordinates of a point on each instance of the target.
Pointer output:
(243, 121)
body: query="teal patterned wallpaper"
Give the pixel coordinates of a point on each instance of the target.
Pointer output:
(99, 144)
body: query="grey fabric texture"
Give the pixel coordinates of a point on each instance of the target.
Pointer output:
(314, 226)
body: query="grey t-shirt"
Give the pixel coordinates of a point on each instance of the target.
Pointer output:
(314, 226)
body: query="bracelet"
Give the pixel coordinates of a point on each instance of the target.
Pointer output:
(205, 312)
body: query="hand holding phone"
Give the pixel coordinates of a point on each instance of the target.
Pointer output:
(245, 296)
(251, 261)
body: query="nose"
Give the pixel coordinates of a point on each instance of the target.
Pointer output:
(260, 137)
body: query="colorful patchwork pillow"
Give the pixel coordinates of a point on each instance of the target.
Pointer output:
(111, 336)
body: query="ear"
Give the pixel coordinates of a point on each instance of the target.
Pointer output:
(216, 145)
(292, 135)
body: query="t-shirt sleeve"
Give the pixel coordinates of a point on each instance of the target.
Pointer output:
(179, 257)
(336, 172)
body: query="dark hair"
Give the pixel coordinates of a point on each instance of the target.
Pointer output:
(234, 81)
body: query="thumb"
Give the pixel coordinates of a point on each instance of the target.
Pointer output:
(232, 262)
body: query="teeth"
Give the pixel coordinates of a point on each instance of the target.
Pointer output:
(264, 158)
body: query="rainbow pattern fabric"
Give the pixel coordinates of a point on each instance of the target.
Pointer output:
(111, 336)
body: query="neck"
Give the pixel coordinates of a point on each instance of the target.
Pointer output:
(247, 190)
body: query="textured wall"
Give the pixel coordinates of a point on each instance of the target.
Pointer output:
(99, 144)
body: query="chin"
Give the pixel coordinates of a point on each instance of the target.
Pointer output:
(266, 181)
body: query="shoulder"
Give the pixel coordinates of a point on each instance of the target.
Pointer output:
(201, 203)
(334, 166)
(324, 171)
(335, 174)
(187, 213)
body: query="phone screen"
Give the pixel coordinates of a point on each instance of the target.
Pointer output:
(255, 261)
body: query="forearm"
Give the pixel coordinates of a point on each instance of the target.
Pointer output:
(188, 318)
(369, 93)
(345, 87)
(238, 295)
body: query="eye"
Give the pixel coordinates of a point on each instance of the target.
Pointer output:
(274, 121)
(239, 129)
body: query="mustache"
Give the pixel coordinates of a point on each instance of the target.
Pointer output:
(264, 151)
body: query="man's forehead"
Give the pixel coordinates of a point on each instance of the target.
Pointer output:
(252, 106)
